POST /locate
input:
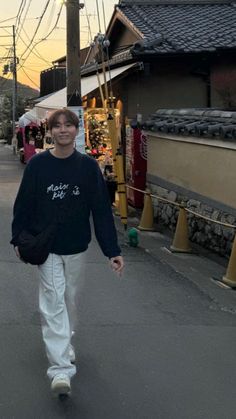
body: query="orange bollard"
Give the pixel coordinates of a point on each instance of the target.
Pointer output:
(181, 240)
(146, 222)
(230, 277)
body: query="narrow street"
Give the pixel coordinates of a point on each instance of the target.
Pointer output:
(150, 345)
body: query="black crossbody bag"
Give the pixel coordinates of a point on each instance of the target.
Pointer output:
(34, 249)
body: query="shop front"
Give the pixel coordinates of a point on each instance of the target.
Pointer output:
(32, 136)
(98, 142)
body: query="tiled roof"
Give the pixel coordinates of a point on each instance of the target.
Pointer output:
(182, 28)
(193, 122)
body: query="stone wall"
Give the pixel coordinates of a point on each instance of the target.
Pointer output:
(205, 233)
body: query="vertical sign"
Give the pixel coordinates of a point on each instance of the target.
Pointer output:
(80, 138)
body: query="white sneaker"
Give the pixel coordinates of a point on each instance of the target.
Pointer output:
(72, 354)
(60, 384)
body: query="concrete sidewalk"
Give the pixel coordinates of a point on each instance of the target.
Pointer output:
(202, 268)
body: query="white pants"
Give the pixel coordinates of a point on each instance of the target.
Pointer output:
(59, 278)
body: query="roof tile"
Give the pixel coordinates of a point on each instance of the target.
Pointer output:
(183, 27)
(194, 122)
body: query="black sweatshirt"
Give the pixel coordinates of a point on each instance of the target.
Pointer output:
(71, 187)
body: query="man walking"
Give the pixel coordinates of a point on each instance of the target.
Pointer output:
(58, 178)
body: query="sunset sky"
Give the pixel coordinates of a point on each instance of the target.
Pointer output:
(34, 20)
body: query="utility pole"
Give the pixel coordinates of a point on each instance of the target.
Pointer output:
(12, 68)
(14, 92)
(74, 94)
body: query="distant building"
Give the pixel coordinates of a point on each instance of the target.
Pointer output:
(54, 78)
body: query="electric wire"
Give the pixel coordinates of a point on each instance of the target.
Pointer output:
(49, 33)
(8, 47)
(7, 53)
(19, 26)
(34, 50)
(54, 27)
(88, 21)
(31, 69)
(18, 31)
(50, 17)
(98, 13)
(6, 26)
(7, 31)
(20, 10)
(104, 17)
(22, 68)
(6, 20)
(36, 30)
(90, 32)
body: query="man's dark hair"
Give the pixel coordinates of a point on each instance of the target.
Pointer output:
(70, 116)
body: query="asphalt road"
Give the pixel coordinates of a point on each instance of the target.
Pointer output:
(150, 346)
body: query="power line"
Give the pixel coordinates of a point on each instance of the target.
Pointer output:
(37, 28)
(18, 17)
(6, 20)
(31, 69)
(54, 27)
(87, 16)
(7, 31)
(34, 51)
(44, 39)
(18, 31)
(99, 22)
(22, 68)
(50, 17)
(104, 17)
(8, 47)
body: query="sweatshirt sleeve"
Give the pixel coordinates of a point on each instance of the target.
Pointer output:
(103, 220)
(24, 204)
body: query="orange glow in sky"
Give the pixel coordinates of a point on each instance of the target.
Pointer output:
(41, 33)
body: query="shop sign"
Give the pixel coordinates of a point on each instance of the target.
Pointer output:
(80, 138)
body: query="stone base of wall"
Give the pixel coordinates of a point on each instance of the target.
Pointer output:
(205, 233)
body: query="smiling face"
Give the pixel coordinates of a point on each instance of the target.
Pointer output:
(64, 132)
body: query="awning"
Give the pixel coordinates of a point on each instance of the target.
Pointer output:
(28, 117)
(58, 99)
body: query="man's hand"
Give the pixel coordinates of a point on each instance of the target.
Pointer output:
(117, 264)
